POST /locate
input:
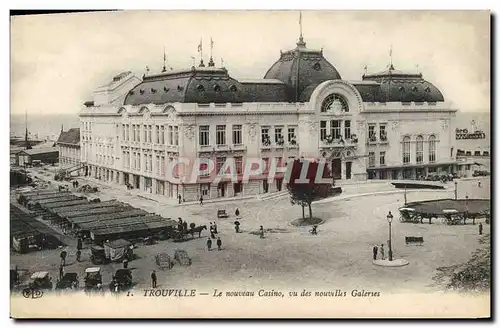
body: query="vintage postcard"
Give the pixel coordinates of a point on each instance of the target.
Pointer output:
(250, 164)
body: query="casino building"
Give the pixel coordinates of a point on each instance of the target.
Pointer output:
(387, 125)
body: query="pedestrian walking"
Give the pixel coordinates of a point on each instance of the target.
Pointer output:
(153, 279)
(209, 244)
(219, 243)
(201, 200)
(215, 227)
(237, 226)
(180, 198)
(237, 212)
(125, 263)
(79, 244)
(261, 232)
(61, 272)
(63, 258)
(375, 251)
(479, 184)
(78, 255)
(382, 252)
(480, 228)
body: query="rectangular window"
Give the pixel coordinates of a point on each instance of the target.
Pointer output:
(150, 163)
(383, 132)
(371, 132)
(145, 129)
(371, 159)
(204, 135)
(127, 132)
(162, 165)
(335, 129)
(123, 131)
(382, 158)
(219, 162)
(322, 130)
(278, 135)
(133, 132)
(138, 134)
(138, 161)
(292, 139)
(176, 136)
(265, 138)
(170, 135)
(239, 164)
(150, 132)
(347, 129)
(237, 135)
(220, 136)
(157, 164)
(157, 134)
(162, 135)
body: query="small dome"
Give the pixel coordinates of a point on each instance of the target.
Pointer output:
(394, 85)
(300, 68)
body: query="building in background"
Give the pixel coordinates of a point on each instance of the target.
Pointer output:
(37, 156)
(68, 145)
(387, 125)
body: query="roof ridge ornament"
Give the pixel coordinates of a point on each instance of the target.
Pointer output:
(301, 43)
(391, 66)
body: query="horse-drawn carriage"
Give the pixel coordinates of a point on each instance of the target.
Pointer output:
(68, 281)
(93, 278)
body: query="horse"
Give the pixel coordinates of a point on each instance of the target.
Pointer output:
(198, 229)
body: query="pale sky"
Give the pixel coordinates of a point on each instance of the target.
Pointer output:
(58, 60)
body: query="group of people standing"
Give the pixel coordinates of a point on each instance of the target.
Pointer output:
(378, 250)
(213, 232)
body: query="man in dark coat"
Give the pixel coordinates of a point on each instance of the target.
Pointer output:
(78, 255)
(201, 200)
(61, 271)
(237, 212)
(153, 279)
(215, 227)
(209, 244)
(480, 228)
(79, 244)
(261, 232)
(180, 199)
(375, 251)
(63, 257)
(219, 243)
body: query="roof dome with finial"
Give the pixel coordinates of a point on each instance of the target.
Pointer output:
(301, 68)
(393, 85)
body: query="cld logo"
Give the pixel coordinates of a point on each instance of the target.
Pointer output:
(32, 293)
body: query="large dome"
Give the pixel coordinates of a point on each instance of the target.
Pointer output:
(301, 67)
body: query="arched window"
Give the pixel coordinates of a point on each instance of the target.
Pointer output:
(432, 149)
(420, 149)
(406, 150)
(335, 104)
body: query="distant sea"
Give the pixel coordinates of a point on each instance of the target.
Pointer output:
(42, 126)
(48, 126)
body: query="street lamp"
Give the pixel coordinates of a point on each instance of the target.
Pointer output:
(466, 208)
(389, 219)
(456, 183)
(405, 196)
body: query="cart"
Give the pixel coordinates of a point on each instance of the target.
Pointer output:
(182, 257)
(68, 281)
(163, 261)
(97, 255)
(93, 278)
(40, 280)
(123, 279)
(222, 214)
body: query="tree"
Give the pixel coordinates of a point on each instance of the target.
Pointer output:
(304, 194)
